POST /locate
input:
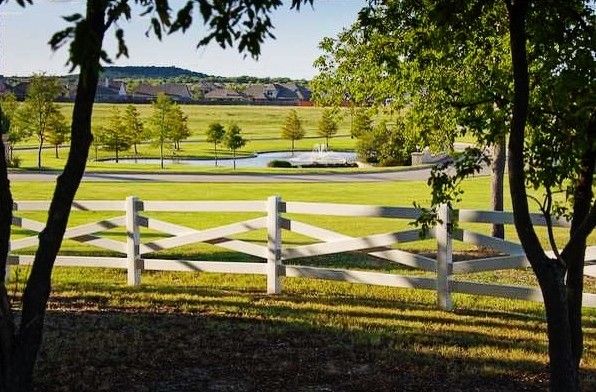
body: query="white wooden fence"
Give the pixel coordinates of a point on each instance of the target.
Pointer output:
(274, 254)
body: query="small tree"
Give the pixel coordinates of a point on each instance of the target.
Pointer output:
(134, 127)
(215, 135)
(234, 140)
(178, 126)
(361, 123)
(327, 126)
(113, 136)
(292, 128)
(38, 109)
(10, 126)
(160, 123)
(57, 131)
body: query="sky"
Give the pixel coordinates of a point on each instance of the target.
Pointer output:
(24, 34)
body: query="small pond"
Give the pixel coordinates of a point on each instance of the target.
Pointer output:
(299, 158)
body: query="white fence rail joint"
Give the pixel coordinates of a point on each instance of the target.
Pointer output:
(273, 255)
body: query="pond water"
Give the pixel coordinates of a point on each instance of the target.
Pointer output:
(299, 158)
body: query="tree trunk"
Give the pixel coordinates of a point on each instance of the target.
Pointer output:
(564, 376)
(161, 153)
(215, 144)
(37, 290)
(498, 178)
(56, 149)
(116, 154)
(39, 150)
(136, 152)
(292, 147)
(234, 157)
(574, 255)
(563, 373)
(6, 318)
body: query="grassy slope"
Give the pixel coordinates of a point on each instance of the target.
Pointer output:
(220, 332)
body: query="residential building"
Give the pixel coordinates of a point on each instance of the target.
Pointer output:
(225, 94)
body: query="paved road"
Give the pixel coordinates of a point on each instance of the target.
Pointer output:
(413, 174)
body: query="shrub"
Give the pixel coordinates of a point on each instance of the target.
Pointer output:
(279, 163)
(388, 145)
(14, 162)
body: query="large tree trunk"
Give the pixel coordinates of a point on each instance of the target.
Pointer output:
(574, 255)
(6, 318)
(498, 179)
(37, 290)
(564, 376)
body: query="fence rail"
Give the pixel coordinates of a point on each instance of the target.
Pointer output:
(274, 253)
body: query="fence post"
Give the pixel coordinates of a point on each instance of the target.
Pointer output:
(273, 245)
(444, 258)
(133, 240)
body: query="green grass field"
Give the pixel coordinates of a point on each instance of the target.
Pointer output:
(261, 125)
(200, 331)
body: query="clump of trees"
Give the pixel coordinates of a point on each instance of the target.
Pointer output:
(113, 136)
(292, 128)
(38, 116)
(168, 125)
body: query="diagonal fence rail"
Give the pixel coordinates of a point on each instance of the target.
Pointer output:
(273, 255)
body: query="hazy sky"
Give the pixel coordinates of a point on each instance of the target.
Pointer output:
(24, 34)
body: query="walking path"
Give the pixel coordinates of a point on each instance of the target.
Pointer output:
(403, 175)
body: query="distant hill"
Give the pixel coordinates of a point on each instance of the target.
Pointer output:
(150, 72)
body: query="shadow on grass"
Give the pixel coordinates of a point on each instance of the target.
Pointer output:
(196, 338)
(147, 351)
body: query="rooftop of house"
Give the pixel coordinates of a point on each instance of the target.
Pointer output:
(224, 93)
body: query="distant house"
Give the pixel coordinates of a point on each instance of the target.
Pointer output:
(289, 93)
(178, 92)
(4, 87)
(107, 91)
(205, 87)
(225, 94)
(20, 90)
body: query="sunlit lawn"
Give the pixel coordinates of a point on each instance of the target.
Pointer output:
(261, 126)
(200, 331)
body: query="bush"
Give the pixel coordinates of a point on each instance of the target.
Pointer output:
(14, 162)
(388, 146)
(279, 163)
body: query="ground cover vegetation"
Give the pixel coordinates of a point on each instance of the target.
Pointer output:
(315, 328)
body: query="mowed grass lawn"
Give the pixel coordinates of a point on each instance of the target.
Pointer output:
(199, 331)
(261, 126)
